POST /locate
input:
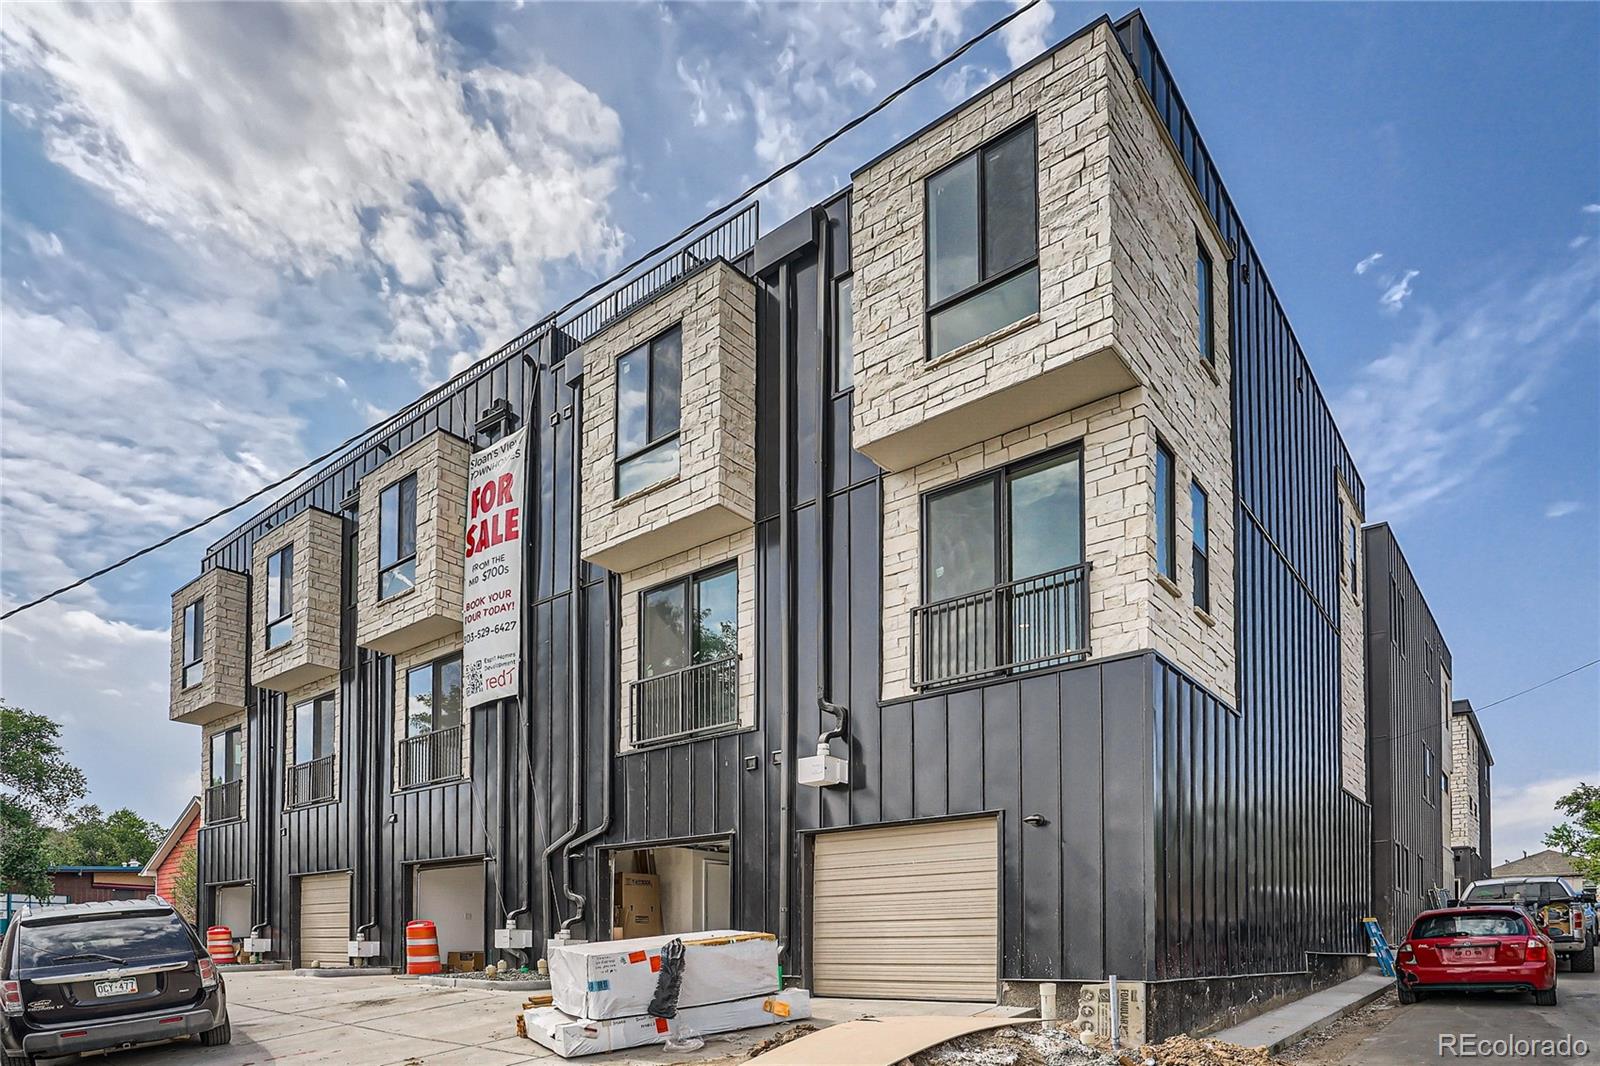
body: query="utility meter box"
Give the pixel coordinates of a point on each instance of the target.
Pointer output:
(513, 939)
(822, 770)
(257, 945)
(362, 949)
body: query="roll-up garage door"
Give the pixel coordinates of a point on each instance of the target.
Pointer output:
(324, 919)
(908, 912)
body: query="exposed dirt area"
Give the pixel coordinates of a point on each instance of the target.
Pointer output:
(1056, 1044)
(1334, 1043)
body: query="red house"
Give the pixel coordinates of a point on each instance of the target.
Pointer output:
(179, 841)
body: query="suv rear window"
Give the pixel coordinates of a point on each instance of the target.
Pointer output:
(113, 940)
(1443, 925)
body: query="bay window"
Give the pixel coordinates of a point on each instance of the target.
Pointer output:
(649, 385)
(397, 538)
(194, 631)
(280, 597)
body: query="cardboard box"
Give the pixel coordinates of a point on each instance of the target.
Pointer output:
(570, 1037)
(464, 961)
(617, 979)
(638, 904)
(1095, 1010)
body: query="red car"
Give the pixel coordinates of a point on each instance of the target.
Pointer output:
(1479, 949)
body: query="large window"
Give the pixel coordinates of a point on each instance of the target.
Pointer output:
(433, 696)
(1166, 514)
(983, 242)
(280, 597)
(397, 538)
(311, 776)
(1201, 561)
(227, 769)
(1003, 581)
(688, 656)
(843, 334)
(649, 380)
(194, 638)
(1203, 298)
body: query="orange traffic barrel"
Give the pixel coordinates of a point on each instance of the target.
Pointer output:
(219, 944)
(422, 947)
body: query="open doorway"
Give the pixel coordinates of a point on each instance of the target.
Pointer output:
(452, 898)
(681, 888)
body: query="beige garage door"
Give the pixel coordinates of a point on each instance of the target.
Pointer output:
(911, 912)
(324, 919)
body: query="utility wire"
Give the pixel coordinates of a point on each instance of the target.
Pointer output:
(921, 77)
(1498, 702)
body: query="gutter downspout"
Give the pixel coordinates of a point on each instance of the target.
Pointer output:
(786, 364)
(530, 553)
(826, 388)
(260, 900)
(612, 708)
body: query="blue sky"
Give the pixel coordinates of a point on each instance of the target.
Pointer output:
(219, 261)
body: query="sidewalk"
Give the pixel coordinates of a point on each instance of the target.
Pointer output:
(1282, 1026)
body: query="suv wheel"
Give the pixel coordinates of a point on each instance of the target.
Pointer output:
(220, 1034)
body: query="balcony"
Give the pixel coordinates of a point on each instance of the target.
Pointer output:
(1022, 625)
(224, 803)
(208, 645)
(697, 699)
(311, 782)
(431, 758)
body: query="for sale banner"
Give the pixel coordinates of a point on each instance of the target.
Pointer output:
(491, 605)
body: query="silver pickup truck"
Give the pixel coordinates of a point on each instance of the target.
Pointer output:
(1558, 907)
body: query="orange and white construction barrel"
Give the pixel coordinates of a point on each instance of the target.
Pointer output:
(422, 947)
(219, 945)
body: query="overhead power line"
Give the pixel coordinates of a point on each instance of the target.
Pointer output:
(348, 442)
(1502, 699)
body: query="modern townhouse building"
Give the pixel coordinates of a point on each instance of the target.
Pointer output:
(954, 579)
(1469, 799)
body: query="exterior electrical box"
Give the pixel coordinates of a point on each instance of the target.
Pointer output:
(822, 770)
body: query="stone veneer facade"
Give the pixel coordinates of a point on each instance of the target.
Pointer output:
(1119, 222)
(740, 546)
(325, 687)
(312, 652)
(432, 609)
(713, 493)
(222, 650)
(403, 662)
(1352, 653)
(1466, 806)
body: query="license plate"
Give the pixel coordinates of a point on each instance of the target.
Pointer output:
(123, 987)
(1469, 954)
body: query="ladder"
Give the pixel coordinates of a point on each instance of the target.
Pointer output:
(1380, 946)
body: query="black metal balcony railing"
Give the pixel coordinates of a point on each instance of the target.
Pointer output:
(1022, 625)
(682, 703)
(311, 782)
(430, 758)
(223, 802)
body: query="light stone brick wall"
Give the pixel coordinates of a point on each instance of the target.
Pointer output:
(404, 662)
(221, 690)
(329, 687)
(740, 546)
(432, 609)
(240, 719)
(1352, 652)
(1465, 821)
(313, 651)
(713, 493)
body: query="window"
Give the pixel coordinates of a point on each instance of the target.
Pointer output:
(194, 635)
(844, 341)
(1003, 581)
(1203, 298)
(1202, 569)
(433, 697)
(397, 538)
(1427, 773)
(1405, 869)
(280, 597)
(1354, 559)
(1166, 515)
(688, 656)
(313, 729)
(1399, 867)
(227, 768)
(983, 242)
(649, 379)
(1422, 876)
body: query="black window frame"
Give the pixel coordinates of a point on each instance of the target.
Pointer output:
(1427, 775)
(194, 644)
(1206, 301)
(843, 315)
(1200, 554)
(237, 734)
(984, 282)
(436, 670)
(651, 440)
(401, 558)
(1354, 560)
(1167, 530)
(318, 704)
(285, 590)
(689, 585)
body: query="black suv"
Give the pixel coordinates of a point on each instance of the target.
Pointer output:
(91, 976)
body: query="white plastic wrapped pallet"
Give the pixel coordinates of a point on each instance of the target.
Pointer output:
(615, 979)
(571, 1037)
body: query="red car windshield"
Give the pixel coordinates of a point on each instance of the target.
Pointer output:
(1436, 926)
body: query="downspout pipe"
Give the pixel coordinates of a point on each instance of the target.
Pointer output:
(530, 555)
(786, 364)
(612, 709)
(826, 387)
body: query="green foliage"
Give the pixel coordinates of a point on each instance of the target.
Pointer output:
(1579, 836)
(38, 786)
(94, 839)
(186, 886)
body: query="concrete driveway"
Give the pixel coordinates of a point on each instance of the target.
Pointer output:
(386, 1021)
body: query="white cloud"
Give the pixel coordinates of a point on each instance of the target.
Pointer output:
(937, 22)
(1396, 295)
(1591, 209)
(1562, 508)
(43, 245)
(1446, 399)
(1579, 241)
(1367, 263)
(1025, 36)
(1523, 814)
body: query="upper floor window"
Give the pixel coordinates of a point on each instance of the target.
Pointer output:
(397, 537)
(280, 596)
(194, 636)
(1352, 558)
(311, 776)
(1203, 298)
(223, 802)
(843, 334)
(1202, 569)
(1166, 514)
(983, 241)
(689, 656)
(433, 696)
(649, 381)
(1427, 773)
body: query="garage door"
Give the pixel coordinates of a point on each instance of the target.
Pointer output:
(911, 912)
(324, 919)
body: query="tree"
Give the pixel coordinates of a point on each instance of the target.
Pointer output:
(1580, 835)
(186, 886)
(94, 839)
(38, 786)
